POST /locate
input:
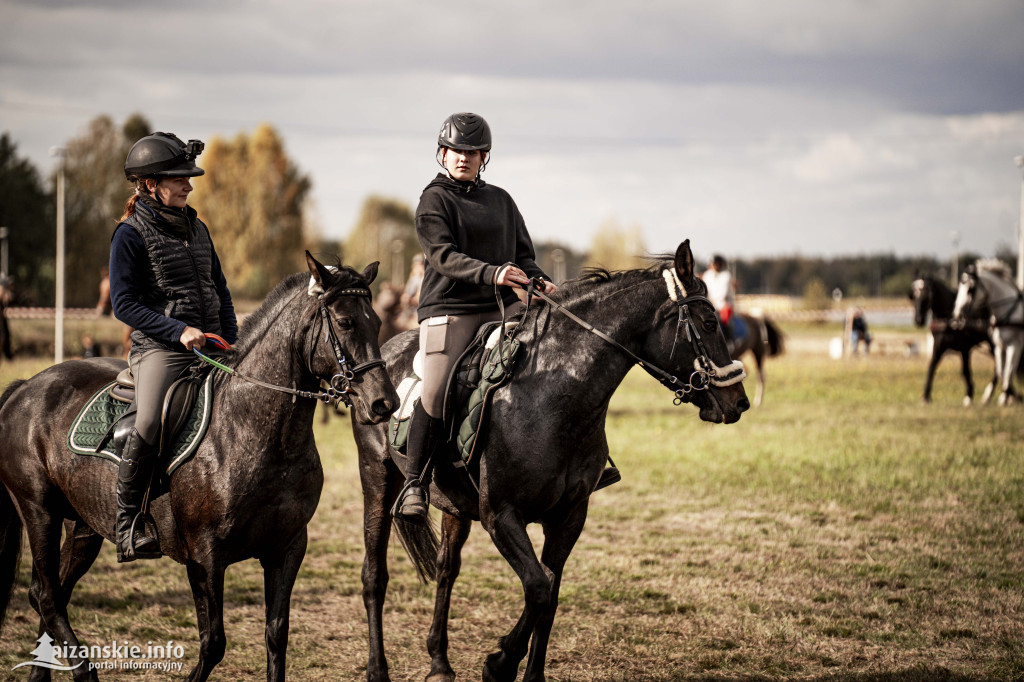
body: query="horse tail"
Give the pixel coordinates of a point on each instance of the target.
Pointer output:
(10, 531)
(421, 543)
(10, 550)
(776, 345)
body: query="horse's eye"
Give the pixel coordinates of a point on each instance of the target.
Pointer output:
(710, 325)
(345, 323)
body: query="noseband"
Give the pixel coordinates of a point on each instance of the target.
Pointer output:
(706, 373)
(340, 384)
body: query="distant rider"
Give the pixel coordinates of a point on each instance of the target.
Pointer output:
(721, 292)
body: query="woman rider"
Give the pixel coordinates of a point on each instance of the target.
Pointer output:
(167, 284)
(473, 238)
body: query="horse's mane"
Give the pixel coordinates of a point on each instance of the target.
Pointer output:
(588, 284)
(994, 266)
(256, 325)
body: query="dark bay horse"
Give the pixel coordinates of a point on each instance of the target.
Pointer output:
(764, 340)
(930, 294)
(545, 447)
(249, 490)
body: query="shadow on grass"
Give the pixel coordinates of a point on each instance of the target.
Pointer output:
(923, 674)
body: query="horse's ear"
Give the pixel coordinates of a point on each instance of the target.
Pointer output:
(321, 275)
(684, 262)
(370, 272)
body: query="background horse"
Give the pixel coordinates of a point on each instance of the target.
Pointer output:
(988, 286)
(248, 492)
(764, 340)
(544, 448)
(931, 295)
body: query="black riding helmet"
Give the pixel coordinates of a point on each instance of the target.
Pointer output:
(163, 155)
(465, 132)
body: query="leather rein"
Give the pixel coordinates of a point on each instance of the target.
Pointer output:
(705, 371)
(340, 384)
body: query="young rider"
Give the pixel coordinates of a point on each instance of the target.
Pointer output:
(474, 238)
(166, 283)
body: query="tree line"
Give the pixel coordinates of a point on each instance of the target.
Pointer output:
(254, 198)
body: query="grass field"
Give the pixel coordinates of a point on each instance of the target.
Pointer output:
(843, 531)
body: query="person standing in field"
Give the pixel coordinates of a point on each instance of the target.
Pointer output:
(166, 283)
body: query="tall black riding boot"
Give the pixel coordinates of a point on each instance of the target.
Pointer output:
(424, 433)
(134, 474)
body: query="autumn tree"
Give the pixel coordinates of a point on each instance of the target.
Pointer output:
(26, 210)
(383, 232)
(95, 194)
(253, 199)
(617, 248)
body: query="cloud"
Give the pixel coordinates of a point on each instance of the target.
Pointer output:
(754, 127)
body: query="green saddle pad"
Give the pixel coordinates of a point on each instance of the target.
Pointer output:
(488, 370)
(101, 411)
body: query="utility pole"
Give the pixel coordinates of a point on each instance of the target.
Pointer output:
(61, 154)
(1020, 229)
(955, 276)
(4, 234)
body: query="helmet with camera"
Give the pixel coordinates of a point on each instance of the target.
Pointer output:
(163, 155)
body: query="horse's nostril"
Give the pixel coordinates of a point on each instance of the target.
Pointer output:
(382, 407)
(743, 404)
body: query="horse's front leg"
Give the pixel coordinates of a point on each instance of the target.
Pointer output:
(449, 563)
(279, 571)
(933, 364)
(559, 539)
(207, 581)
(965, 367)
(380, 490)
(508, 532)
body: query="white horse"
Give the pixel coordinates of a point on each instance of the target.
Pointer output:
(988, 286)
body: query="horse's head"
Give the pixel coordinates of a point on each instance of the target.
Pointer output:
(690, 335)
(343, 349)
(970, 298)
(921, 297)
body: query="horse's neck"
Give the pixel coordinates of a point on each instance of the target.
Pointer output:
(273, 358)
(589, 363)
(943, 299)
(1004, 299)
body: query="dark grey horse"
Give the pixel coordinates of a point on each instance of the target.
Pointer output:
(764, 340)
(544, 450)
(248, 492)
(931, 295)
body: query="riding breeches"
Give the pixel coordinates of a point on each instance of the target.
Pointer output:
(442, 342)
(154, 371)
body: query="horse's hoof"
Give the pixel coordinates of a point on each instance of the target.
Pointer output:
(440, 677)
(968, 402)
(494, 671)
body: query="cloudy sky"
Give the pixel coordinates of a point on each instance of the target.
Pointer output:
(754, 128)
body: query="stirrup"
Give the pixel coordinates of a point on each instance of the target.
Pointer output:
(131, 553)
(413, 514)
(609, 476)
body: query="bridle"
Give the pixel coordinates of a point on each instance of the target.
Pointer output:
(706, 373)
(340, 384)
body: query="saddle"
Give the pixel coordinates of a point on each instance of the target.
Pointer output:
(485, 366)
(103, 425)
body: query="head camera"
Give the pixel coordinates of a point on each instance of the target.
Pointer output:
(193, 149)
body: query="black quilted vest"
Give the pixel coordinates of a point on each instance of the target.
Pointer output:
(179, 281)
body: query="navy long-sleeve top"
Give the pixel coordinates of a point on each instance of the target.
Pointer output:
(128, 262)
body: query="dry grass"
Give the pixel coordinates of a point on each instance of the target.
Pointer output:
(841, 532)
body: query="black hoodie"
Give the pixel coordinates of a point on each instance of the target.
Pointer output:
(468, 231)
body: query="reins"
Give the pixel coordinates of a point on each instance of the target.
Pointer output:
(705, 373)
(340, 384)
